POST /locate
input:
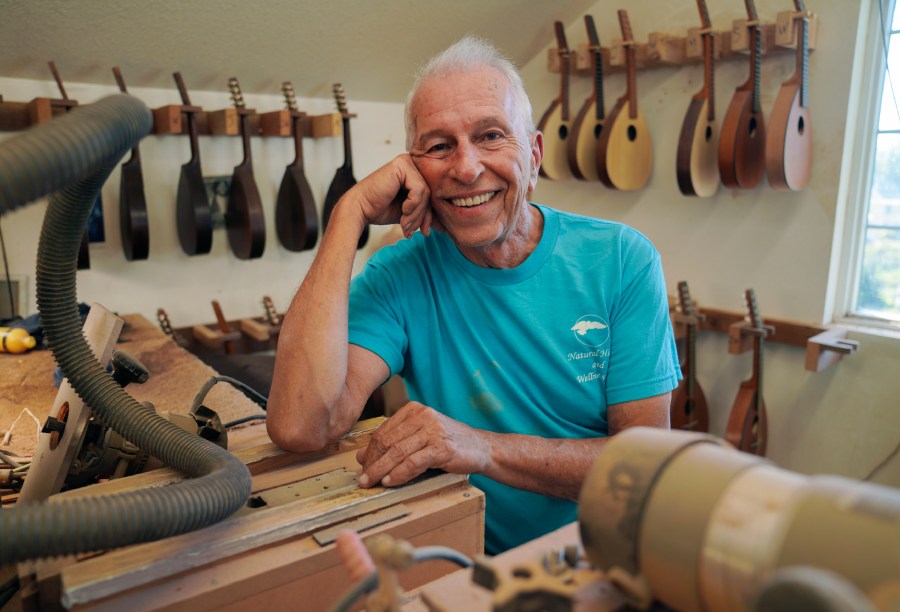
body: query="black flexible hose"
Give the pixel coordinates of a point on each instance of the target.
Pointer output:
(76, 153)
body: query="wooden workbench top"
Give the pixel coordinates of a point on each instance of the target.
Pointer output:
(27, 390)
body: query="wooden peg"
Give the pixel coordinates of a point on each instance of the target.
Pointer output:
(276, 123)
(584, 58)
(740, 35)
(40, 110)
(221, 337)
(223, 122)
(786, 29)
(265, 328)
(693, 44)
(327, 125)
(741, 334)
(666, 49)
(167, 120)
(825, 349)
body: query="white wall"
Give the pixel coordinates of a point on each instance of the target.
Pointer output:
(844, 420)
(170, 279)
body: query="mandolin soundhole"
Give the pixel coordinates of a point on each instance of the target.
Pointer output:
(632, 133)
(597, 129)
(751, 127)
(800, 126)
(563, 132)
(709, 133)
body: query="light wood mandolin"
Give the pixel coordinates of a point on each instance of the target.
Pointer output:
(742, 145)
(789, 145)
(747, 429)
(555, 123)
(696, 162)
(688, 410)
(582, 148)
(625, 151)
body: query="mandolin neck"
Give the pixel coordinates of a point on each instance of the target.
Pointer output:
(756, 379)
(600, 105)
(690, 347)
(709, 76)
(803, 60)
(245, 139)
(348, 153)
(631, 92)
(756, 66)
(564, 85)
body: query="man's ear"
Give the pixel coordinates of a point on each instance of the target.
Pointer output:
(537, 154)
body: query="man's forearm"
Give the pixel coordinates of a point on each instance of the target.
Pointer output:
(552, 467)
(311, 365)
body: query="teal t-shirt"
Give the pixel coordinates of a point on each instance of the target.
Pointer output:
(539, 349)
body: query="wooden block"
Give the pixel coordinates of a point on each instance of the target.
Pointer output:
(327, 125)
(223, 122)
(40, 110)
(275, 123)
(167, 120)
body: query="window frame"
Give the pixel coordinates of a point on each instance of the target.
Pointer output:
(857, 167)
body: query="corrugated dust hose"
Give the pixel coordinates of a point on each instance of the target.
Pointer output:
(71, 157)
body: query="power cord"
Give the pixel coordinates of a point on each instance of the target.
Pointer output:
(258, 398)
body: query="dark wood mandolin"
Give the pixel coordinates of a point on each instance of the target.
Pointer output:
(244, 216)
(747, 429)
(195, 226)
(555, 122)
(689, 410)
(133, 223)
(789, 144)
(581, 152)
(625, 151)
(296, 221)
(343, 179)
(696, 162)
(742, 145)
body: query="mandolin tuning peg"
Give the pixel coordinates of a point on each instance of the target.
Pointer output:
(340, 98)
(236, 94)
(287, 88)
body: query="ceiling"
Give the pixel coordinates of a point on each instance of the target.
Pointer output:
(373, 47)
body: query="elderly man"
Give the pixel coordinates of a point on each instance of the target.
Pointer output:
(525, 335)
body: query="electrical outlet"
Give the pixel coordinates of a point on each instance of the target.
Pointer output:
(218, 189)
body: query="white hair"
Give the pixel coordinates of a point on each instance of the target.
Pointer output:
(468, 53)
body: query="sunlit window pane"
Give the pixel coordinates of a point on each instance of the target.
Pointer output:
(890, 99)
(879, 280)
(879, 283)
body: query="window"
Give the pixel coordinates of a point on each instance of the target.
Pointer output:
(877, 286)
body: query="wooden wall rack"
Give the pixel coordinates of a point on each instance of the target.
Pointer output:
(824, 345)
(661, 49)
(169, 119)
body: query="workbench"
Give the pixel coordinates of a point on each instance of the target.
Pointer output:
(278, 552)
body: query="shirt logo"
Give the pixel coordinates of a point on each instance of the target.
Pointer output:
(591, 330)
